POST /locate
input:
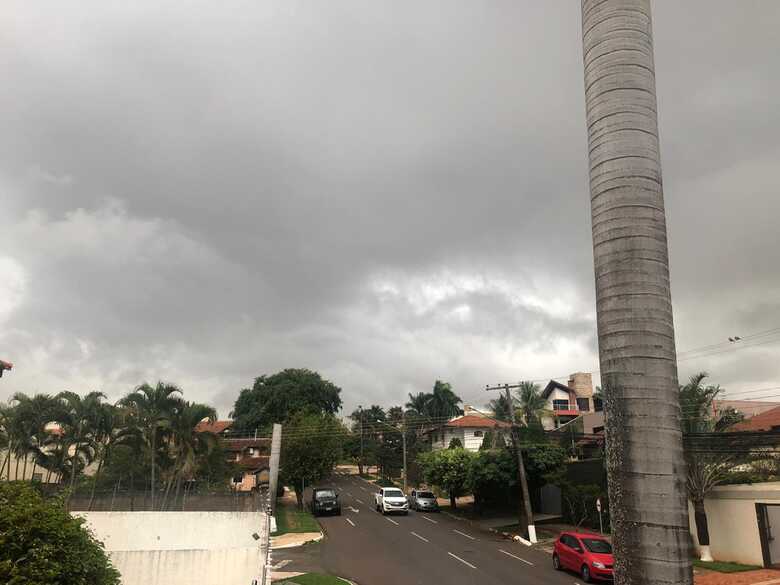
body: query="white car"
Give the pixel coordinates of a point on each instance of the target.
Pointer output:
(390, 500)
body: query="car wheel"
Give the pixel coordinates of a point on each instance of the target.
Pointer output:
(586, 574)
(556, 562)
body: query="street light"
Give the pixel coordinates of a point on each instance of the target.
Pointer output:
(401, 430)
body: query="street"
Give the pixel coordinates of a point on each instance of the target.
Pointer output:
(422, 548)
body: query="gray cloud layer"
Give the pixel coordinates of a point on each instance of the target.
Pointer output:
(386, 192)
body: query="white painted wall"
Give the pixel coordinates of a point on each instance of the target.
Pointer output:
(774, 530)
(733, 525)
(472, 438)
(178, 548)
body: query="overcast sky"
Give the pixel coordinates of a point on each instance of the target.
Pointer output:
(386, 192)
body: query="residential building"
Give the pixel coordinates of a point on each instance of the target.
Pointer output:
(251, 454)
(566, 402)
(469, 429)
(768, 420)
(749, 408)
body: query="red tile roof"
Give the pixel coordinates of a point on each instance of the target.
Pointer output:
(765, 421)
(476, 422)
(216, 427)
(254, 463)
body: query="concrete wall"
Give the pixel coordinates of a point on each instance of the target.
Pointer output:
(468, 438)
(732, 520)
(178, 548)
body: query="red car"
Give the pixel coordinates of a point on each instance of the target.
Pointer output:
(590, 555)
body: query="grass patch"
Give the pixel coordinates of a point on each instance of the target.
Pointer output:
(723, 567)
(291, 519)
(316, 579)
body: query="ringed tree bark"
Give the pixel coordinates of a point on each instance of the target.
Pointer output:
(645, 463)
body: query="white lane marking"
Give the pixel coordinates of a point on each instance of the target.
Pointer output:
(515, 557)
(464, 534)
(468, 564)
(391, 520)
(355, 510)
(349, 494)
(362, 488)
(360, 501)
(420, 537)
(350, 521)
(430, 519)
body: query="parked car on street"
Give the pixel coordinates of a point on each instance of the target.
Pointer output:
(590, 555)
(423, 501)
(390, 500)
(325, 501)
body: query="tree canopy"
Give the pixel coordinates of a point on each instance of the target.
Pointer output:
(275, 398)
(41, 543)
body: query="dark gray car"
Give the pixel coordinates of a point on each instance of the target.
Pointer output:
(423, 501)
(325, 501)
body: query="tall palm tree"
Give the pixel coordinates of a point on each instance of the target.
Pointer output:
(501, 407)
(151, 408)
(443, 402)
(111, 431)
(186, 443)
(532, 405)
(79, 419)
(645, 461)
(5, 431)
(419, 402)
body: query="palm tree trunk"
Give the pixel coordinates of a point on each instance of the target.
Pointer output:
(24, 468)
(74, 462)
(645, 464)
(16, 470)
(702, 529)
(6, 462)
(94, 484)
(154, 446)
(32, 474)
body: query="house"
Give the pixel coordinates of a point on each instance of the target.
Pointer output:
(749, 408)
(251, 454)
(566, 402)
(768, 420)
(469, 429)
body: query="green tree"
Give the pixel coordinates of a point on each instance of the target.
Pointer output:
(707, 468)
(41, 543)
(491, 477)
(311, 448)
(80, 420)
(532, 404)
(443, 402)
(274, 399)
(501, 408)
(633, 299)
(455, 443)
(151, 409)
(447, 469)
(419, 403)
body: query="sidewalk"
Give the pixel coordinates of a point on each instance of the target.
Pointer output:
(760, 577)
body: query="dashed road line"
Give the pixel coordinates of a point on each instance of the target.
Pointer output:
(464, 534)
(430, 520)
(420, 537)
(359, 501)
(350, 521)
(362, 488)
(391, 520)
(509, 554)
(468, 564)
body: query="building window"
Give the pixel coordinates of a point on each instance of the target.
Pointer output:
(238, 478)
(477, 433)
(560, 405)
(598, 404)
(597, 430)
(583, 404)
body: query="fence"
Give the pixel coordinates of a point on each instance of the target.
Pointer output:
(141, 501)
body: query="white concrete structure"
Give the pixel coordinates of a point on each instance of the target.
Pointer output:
(178, 548)
(740, 517)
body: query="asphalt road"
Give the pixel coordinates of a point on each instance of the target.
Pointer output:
(423, 548)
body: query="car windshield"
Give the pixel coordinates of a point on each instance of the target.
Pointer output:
(394, 494)
(596, 545)
(425, 495)
(325, 494)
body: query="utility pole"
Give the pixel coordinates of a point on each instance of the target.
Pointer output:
(360, 467)
(402, 430)
(273, 463)
(529, 514)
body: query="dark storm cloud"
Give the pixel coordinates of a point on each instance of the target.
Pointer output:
(389, 193)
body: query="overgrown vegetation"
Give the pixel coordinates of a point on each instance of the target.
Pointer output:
(290, 519)
(41, 543)
(722, 567)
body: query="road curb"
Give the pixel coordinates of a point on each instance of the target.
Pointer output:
(297, 543)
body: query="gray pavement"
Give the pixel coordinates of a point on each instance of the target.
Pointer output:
(370, 549)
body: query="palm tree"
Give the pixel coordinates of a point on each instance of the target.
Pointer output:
(111, 431)
(419, 403)
(5, 418)
(443, 402)
(151, 408)
(707, 468)
(186, 443)
(633, 301)
(79, 420)
(501, 408)
(532, 405)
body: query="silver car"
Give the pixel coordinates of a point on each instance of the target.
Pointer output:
(423, 501)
